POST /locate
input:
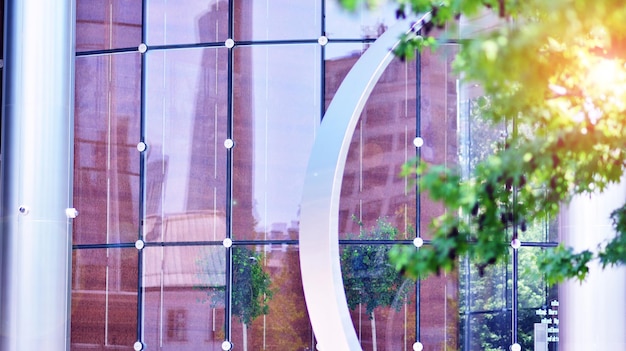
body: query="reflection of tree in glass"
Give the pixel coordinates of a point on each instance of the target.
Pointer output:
(288, 326)
(251, 285)
(251, 291)
(369, 279)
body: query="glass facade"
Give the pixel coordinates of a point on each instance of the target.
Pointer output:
(191, 144)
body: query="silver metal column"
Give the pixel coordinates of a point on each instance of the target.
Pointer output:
(593, 314)
(37, 168)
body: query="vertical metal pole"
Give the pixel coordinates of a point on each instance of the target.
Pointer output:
(37, 168)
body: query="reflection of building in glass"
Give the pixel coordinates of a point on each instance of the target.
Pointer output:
(149, 260)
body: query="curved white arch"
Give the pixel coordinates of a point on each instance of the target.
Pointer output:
(319, 215)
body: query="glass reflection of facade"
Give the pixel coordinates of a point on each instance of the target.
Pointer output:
(184, 142)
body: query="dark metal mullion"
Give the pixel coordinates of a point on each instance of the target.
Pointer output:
(261, 242)
(142, 176)
(514, 298)
(468, 271)
(496, 311)
(515, 258)
(105, 52)
(229, 178)
(323, 62)
(102, 246)
(375, 242)
(213, 45)
(418, 204)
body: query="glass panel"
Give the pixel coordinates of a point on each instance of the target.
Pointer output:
(533, 291)
(487, 290)
(378, 297)
(184, 297)
(438, 121)
(107, 24)
(364, 23)
(544, 230)
(487, 331)
(186, 21)
(528, 317)
(477, 138)
(372, 190)
(439, 317)
(185, 132)
(275, 115)
(277, 19)
(485, 296)
(104, 298)
(269, 277)
(107, 129)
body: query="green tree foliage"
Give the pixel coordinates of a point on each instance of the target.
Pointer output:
(556, 68)
(369, 279)
(251, 291)
(251, 288)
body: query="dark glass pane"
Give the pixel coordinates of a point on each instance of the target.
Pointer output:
(106, 168)
(381, 301)
(269, 312)
(277, 20)
(275, 114)
(486, 290)
(184, 297)
(486, 331)
(186, 21)
(364, 23)
(185, 132)
(532, 287)
(478, 139)
(541, 230)
(108, 24)
(104, 299)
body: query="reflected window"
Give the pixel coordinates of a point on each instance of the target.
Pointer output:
(108, 24)
(177, 325)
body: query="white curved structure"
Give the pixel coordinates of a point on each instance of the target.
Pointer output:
(319, 216)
